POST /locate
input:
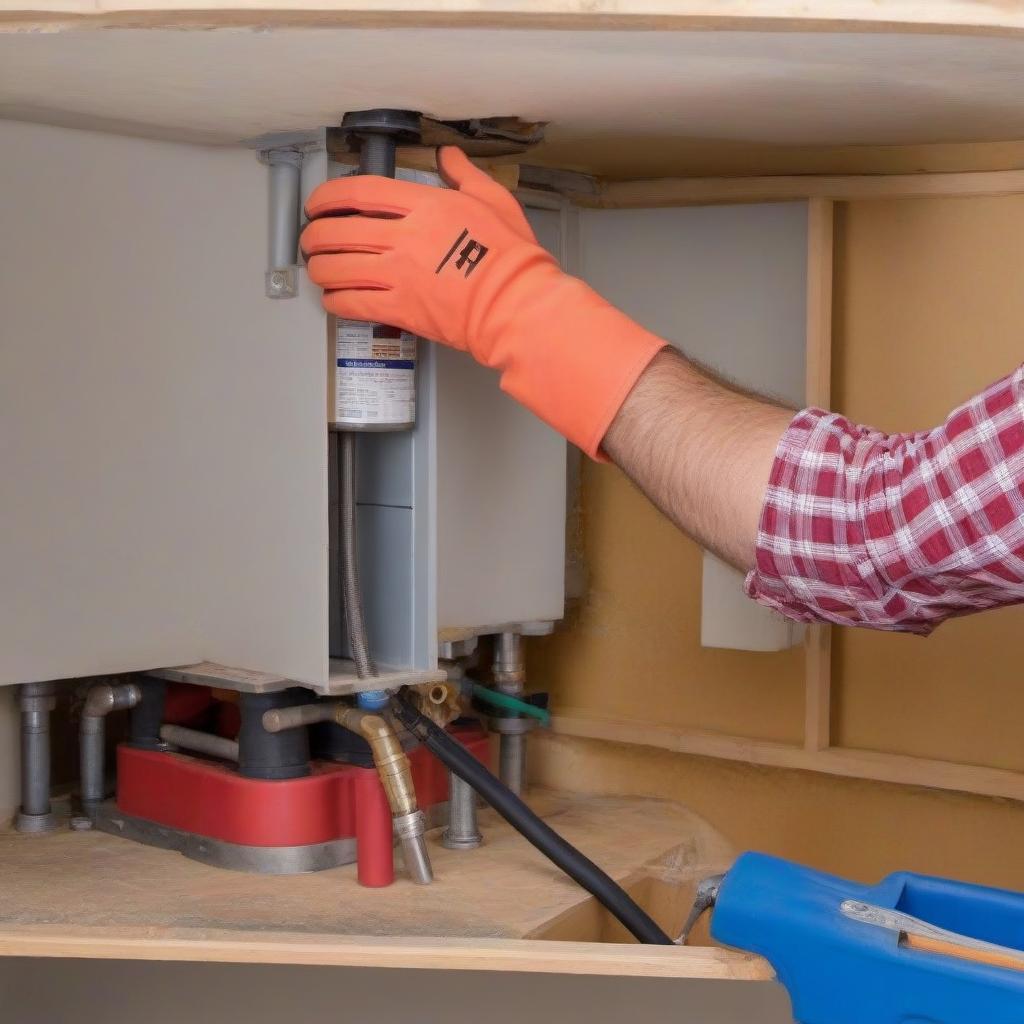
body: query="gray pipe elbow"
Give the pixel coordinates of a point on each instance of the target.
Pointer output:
(100, 701)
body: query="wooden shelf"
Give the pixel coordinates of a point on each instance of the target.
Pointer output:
(87, 894)
(777, 88)
(989, 16)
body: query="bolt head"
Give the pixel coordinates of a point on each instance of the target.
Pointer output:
(282, 283)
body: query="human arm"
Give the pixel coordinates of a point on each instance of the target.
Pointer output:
(701, 450)
(833, 521)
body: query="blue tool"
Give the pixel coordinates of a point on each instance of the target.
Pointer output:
(850, 954)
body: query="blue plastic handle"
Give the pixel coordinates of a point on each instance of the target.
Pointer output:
(843, 971)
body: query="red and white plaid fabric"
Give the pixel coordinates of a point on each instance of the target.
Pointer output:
(897, 531)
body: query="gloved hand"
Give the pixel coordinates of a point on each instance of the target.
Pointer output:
(462, 266)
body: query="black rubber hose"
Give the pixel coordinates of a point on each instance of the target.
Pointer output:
(563, 855)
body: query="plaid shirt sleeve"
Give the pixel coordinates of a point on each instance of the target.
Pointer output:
(896, 531)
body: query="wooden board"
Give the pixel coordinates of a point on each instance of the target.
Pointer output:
(802, 91)
(817, 392)
(90, 894)
(979, 16)
(854, 763)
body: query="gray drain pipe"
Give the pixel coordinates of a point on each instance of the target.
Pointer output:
(37, 701)
(92, 734)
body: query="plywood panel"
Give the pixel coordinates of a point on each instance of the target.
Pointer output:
(162, 436)
(94, 895)
(858, 829)
(988, 16)
(931, 312)
(721, 283)
(597, 87)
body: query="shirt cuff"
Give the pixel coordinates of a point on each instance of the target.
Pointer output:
(810, 563)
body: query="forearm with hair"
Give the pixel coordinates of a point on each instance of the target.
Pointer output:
(701, 450)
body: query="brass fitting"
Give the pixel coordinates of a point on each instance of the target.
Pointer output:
(396, 775)
(388, 756)
(440, 702)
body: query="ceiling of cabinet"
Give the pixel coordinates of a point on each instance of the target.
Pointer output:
(621, 103)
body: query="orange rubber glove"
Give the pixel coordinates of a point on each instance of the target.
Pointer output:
(462, 266)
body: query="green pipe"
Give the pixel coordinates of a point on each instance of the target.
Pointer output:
(509, 703)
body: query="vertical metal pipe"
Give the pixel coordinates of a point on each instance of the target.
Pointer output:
(510, 678)
(35, 762)
(37, 701)
(285, 209)
(462, 832)
(512, 762)
(508, 663)
(285, 176)
(99, 702)
(92, 750)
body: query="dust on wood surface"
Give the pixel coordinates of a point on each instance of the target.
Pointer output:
(504, 889)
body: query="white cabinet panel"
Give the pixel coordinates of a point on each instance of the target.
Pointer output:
(727, 286)
(162, 441)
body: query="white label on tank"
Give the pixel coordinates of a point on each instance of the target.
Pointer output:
(375, 380)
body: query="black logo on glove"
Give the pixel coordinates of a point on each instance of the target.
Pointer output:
(470, 255)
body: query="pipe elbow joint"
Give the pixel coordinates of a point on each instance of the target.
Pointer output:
(103, 698)
(389, 758)
(395, 773)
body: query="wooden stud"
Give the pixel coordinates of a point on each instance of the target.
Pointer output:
(820, 217)
(818, 641)
(818, 687)
(657, 192)
(857, 764)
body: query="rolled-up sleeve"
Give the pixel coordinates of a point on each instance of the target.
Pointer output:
(896, 531)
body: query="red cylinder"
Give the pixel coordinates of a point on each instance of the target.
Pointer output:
(375, 854)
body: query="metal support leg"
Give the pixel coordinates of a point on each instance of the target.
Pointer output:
(512, 762)
(462, 832)
(510, 678)
(37, 701)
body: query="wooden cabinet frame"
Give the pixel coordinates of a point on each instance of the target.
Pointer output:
(817, 753)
